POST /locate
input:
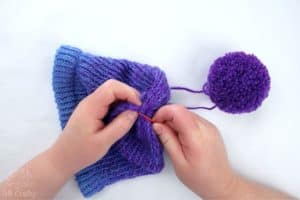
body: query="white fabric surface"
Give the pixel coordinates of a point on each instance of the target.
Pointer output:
(183, 38)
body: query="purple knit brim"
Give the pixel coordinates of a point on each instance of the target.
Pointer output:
(77, 74)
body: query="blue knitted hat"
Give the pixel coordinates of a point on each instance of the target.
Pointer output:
(77, 74)
(237, 83)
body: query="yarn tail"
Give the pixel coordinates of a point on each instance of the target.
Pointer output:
(186, 89)
(194, 91)
(201, 107)
(149, 119)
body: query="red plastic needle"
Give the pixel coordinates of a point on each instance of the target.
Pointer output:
(146, 117)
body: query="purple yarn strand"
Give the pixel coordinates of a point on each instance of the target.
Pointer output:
(201, 107)
(193, 91)
(186, 89)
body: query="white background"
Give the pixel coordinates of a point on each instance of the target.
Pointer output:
(183, 38)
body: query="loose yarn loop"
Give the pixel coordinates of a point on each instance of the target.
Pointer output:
(76, 74)
(147, 118)
(204, 91)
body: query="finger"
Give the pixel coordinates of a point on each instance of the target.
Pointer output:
(202, 122)
(170, 141)
(109, 92)
(117, 128)
(178, 118)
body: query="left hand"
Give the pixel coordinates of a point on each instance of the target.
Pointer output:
(86, 139)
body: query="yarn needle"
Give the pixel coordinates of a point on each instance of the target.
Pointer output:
(146, 117)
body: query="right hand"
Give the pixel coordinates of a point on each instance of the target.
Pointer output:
(196, 150)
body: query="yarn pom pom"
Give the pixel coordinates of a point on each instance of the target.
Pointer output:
(238, 82)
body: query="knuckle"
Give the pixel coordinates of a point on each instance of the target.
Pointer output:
(210, 126)
(203, 123)
(215, 131)
(213, 127)
(83, 104)
(176, 108)
(103, 143)
(177, 111)
(110, 83)
(171, 112)
(130, 116)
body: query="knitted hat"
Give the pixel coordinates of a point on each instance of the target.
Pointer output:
(77, 74)
(237, 83)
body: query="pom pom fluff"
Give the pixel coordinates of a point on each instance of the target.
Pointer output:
(237, 82)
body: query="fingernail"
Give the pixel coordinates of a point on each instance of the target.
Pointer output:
(139, 98)
(157, 128)
(139, 102)
(131, 115)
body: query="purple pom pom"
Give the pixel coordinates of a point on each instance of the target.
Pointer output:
(237, 82)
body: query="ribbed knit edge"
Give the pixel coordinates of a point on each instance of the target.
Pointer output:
(93, 179)
(70, 66)
(64, 72)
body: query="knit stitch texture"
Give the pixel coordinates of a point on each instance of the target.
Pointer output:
(76, 74)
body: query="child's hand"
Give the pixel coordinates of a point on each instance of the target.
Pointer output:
(196, 150)
(86, 139)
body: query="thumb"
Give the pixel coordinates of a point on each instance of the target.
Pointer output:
(118, 127)
(170, 141)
